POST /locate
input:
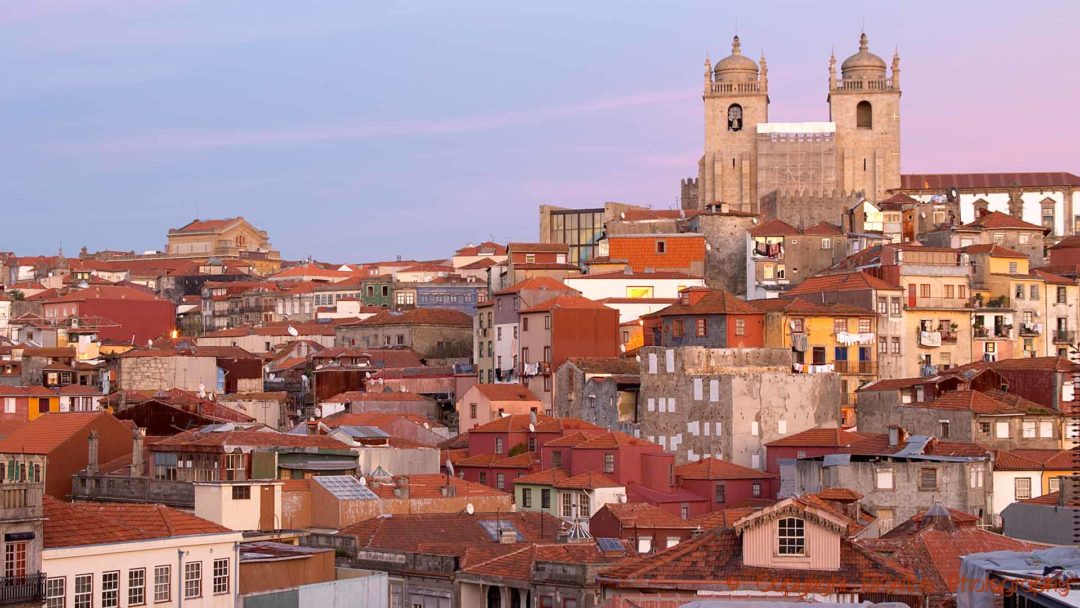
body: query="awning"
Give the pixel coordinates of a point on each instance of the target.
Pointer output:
(319, 465)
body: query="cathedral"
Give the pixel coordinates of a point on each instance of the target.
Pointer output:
(753, 165)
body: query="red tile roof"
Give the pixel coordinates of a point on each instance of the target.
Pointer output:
(823, 229)
(566, 301)
(847, 281)
(431, 486)
(523, 460)
(48, 432)
(715, 558)
(588, 481)
(517, 562)
(208, 225)
(537, 284)
(938, 182)
(487, 247)
(995, 251)
(105, 292)
(818, 438)
(198, 439)
(714, 302)
(999, 220)
(418, 316)
(616, 275)
(505, 392)
(986, 403)
(88, 523)
(446, 533)
(547, 477)
(538, 247)
(645, 515)
(544, 424)
(774, 228)
(361, 396)
(714, 468)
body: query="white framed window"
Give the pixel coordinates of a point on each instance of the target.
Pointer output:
(826, 243)
(136, 586)
(56, 592)
(1022, 488)
(1046, 429)
(791, 536)
(781, 427)
(754, 430)
(84, 591)
(1001, 430)
(1029, 429)
(221, 576)
(110, 589)
(9, 405)
(644, 544)
(699, 389)
(192, 580)
(884, 479)
(162, 583)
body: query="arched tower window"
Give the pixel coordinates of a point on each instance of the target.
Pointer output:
(864, 115)
(734, 117)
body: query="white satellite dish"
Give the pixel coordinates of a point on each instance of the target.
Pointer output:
(708, 247)
(362, 480)
(532, 428)
(470, 509)
(622, 348)
(292, 331)
(403, 389)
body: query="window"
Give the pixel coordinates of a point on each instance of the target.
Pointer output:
(1046, 429)
(498, 445)
(1022, 488)
(136, 586)
(740, 327)
(882, 305)
(798, 326)
(734, 119)
(1029, 429)
(532, 444)
(567, 504)
(192, 580)
(756, 488)
(720, 494)
(162, 584)
(556, 459)
(865, 326)
(395, 595)
(15, 559)
(84, 591)
(701, 327)
(500, 481)
(884, 478)
(9, 405)
(895, 346)
(221, 576)
(839, 326)
(791, 536)
(545, 498)
(924, 290)
(241, 492)
(472, 411)
(526, 498)
(55, 592)
(943, 429)
(547, 354)
(984, 428)
(547, 601)
(1001, 430)
(524, 323)
(1019, 291)
(569, 602)
(864, 115)
(661, 246)
(547, 383)
(1048, 214)
(583, 505)
(894, 310)
(1034, 291)
(826, 243)
(1054, 484)
(483, 477)
(882, 345)
(110, 589)
(609, 463)
(677, 328)
(530, 258)
(928, 478)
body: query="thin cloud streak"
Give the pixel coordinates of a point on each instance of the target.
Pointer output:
(176, 140)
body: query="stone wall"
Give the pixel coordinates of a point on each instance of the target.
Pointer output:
(596, 400)
(729, 402)
(164, 373)
(803, 208)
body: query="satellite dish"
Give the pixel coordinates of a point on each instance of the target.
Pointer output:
(708, 247)
(470, 509)
(532, 428)
(403, 389)
(622, 348)
(202, 391)
(363, 480)
(292, 331)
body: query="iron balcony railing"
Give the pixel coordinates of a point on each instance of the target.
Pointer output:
(22, 589)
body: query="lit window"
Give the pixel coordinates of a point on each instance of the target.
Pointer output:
(701, 327)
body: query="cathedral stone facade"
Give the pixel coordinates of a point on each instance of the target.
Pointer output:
(749, 160)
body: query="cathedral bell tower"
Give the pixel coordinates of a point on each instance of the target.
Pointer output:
(865, 105)
(736, 100)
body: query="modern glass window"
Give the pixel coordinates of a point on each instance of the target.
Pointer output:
(792, 536)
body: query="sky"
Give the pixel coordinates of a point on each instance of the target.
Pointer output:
(355, 131)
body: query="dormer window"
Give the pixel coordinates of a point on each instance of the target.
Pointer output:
(792, 536)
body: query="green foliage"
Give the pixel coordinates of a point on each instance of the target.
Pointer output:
(520, 448)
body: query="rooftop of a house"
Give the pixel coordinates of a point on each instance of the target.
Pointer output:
(484, 248)
(991, 402)
(510, 391)
(774, 228)
(707, 301)
(547, 477)
(715, 469)
(449, 533)
(637, 276)
(804, 307)
(518, 562)
(605, 365)
(74, 524)
(223, 437)
(544, 424)
(1001, 221)
(417, 316)
(994, 251)
(933, 545)
(980, 182)
(536, 284)
(364, 396)
(48, 432)
(207, 225)
(429, 486)
(818, 438)
(177, 400)
(566, 302)
(645, 515)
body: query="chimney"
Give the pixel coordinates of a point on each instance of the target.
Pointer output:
(138, 460)
(92, 457)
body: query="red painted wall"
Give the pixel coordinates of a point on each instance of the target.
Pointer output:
(755, 331)
(143, 319)
(1065, 257)
(735, 490)
(590, 332)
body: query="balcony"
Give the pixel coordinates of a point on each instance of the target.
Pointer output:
(1030, 329)
(855, 367)
(948, 337)
(29, 589)
(994, 302)
(985, 333)
(939, 303)
(1064, 336)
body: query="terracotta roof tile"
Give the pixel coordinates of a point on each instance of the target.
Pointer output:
(818, 438)
(774, 228)
(198, 438)
(714, 302)
(588, 481)
(939, 182)
(447, 533)
(997, 219)
(987, 403)
(645, 515)
(544, 424)
(547, 477)
(713, 468)
(48, 432)
(567, 301)
(506, 392)
(88, 523)
(847, 281)
(994, 251)
(418, 316)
